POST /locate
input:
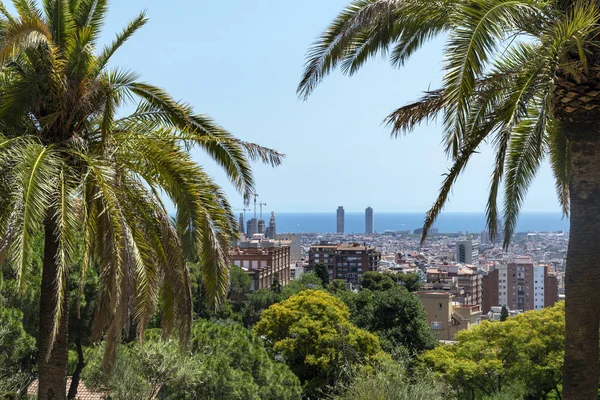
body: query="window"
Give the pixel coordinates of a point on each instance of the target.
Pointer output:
(441, 306)
(436, 325)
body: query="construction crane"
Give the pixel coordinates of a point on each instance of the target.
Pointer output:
(255, 196)
(261, 204)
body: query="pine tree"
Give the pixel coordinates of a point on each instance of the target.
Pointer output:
(504, 314)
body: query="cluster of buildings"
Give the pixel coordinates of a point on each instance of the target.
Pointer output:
(464, 278)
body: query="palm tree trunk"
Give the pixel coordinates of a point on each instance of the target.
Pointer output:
(582, 281)
(53, 370)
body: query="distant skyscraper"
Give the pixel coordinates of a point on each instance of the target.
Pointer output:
(251, 227)
(241, 223)
(369, 221)
(340, 220)
(272, 228)
(261, 226)
(467, 252)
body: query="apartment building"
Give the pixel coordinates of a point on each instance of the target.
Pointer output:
(263, 259)
(346, 261)
(445, 316)
(520, 285)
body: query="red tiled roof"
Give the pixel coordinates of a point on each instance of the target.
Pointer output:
(83, 393)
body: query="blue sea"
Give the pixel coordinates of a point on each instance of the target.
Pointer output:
(446, 223)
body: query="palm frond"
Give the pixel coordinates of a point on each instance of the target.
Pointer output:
(560, 159)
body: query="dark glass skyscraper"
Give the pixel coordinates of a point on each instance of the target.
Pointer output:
(340, 220)
(369, 221)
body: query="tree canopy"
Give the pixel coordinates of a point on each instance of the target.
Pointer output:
(524, 350)
(312, 333)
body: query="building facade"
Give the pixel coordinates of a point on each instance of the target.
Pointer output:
(346, 261)
(263, 259)
(520, 285)
(445, 317)
(369, 221)
(340, 220)
(467, 252)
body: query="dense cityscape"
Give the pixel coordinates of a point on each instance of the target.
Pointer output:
(127, 273)
(466, 271)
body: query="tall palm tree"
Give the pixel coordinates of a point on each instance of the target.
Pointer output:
(523, 75)
(73, 165)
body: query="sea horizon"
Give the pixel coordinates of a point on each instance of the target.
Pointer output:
(447, 222)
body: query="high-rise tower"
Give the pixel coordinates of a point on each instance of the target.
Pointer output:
(340, 220)
(369, 222)
(272, 229)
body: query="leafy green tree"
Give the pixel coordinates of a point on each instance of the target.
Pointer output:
(533, 99)
(308, 280)
(17, 352)
(376, 281)
(73, 162)
(390, 380)
(412, 281)
(312, 333)
(526, 350)
(504, 314)
(225, 362)
(238, 358)
(396, 315)
(276, 285)
(239, 284)
(257, 302)
(336, 286)
(322, 272)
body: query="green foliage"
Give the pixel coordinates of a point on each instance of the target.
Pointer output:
(396, 315)
(239, 283)
(225, 362)
(260, 300)
(524, 351)
(412, 281)
(17, 352)
(376, 281)
(78, 163)
(337, 286)
(276, 285)
(504, 314)
(322, 272)
(312, 333)
(390, 380)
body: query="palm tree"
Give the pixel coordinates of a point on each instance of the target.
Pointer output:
(523, 75)
(72, 165)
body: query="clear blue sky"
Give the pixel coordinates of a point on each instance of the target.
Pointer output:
(240, 61)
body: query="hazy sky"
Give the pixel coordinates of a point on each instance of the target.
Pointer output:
(240, 61)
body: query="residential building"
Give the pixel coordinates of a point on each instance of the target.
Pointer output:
(369, 221)
(324, 253)
(467, 252)
(520, 285)
(340, 220)
(466, 284)
(263, 259)
(446, 317)
(346, 261)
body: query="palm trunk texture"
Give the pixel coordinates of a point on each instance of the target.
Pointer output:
(582, 281)
(52, 370)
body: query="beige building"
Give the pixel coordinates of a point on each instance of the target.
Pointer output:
(446, 317)
(263, 259)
